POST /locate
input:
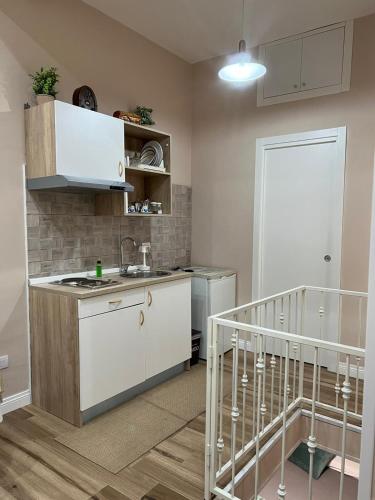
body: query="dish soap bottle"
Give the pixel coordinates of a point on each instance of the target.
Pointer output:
(99, 269)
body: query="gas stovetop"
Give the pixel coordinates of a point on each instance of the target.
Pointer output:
(92, 283)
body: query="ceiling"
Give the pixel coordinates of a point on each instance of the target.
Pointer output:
(200, 29)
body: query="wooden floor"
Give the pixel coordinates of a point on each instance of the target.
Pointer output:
(33, 465)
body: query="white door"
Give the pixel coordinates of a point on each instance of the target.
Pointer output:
(111, 353)
(283, 61)
(322, 59)
(298, 217)
(168, 325)
(88, 144)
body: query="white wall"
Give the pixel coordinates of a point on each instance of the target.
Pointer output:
(367, 469)
(226, 124)
(124, 70)
(14, 85)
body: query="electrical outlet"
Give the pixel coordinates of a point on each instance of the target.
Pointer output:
(4, 362)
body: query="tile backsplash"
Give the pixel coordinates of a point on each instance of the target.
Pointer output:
(64, 234)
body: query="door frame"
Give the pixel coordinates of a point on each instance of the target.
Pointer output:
(265, 144)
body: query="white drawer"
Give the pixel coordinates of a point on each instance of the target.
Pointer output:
(110, 302)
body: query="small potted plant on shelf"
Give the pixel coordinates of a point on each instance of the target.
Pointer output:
(44, 82)
(145, 114)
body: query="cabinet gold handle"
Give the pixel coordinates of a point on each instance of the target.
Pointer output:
(114, 302)
(120, 168)
(149, 300)
(141, 318)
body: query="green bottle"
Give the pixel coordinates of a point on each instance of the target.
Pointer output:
(99, 269)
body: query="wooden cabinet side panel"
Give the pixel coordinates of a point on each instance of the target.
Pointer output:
(54, 354)
(112, 203)
(40, 140)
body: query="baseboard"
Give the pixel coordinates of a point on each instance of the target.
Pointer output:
(342, 365)
(352, 370)
(15, 401)
(241, 345)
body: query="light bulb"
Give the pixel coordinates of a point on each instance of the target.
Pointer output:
(242, 72)
(241, 67)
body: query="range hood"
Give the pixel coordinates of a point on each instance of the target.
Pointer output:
(70, 183)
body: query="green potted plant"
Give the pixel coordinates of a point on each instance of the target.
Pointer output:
(145, 114)
(44, 82)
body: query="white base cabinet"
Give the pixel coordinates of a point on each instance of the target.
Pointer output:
(168, 326)
(111, 354)
(124, 342)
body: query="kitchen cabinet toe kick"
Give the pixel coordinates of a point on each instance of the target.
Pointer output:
(85, 352)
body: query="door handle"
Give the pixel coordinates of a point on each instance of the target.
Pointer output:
(120, 168)
(115, 302)
(149, 298)
(141, 318)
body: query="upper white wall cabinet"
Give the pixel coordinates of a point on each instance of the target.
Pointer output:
(62, 139)
(312, 64)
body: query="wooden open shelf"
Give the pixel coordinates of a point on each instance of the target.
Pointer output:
(145, 133)
(144, 171)
(148, 184)
(137, 214)
(136, 136)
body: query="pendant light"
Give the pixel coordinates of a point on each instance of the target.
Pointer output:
(241, 67)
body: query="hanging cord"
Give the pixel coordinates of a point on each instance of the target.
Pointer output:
(242, 44)
(243, 20)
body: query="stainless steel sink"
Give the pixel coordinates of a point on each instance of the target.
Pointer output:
(144, 274)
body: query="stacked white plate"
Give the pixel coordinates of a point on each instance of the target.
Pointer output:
(152, 154)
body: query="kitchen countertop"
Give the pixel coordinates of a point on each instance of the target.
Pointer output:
(210, 273)
(125, 284)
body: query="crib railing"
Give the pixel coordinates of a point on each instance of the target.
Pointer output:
(287, 358)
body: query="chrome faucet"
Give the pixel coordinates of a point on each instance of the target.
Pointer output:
(124, 267)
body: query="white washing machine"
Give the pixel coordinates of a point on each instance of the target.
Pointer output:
(213, 291)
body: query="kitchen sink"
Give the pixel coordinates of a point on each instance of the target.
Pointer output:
(144, 274)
